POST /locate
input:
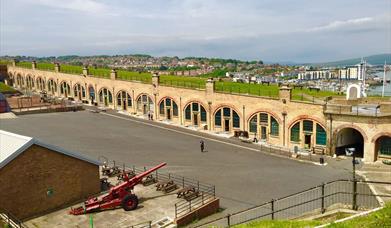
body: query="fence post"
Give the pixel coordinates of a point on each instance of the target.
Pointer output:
(150, 224)
(322, 210)
(272, 202)
(176, 213)
(183, 182)
(157, 176)
(229, 220)
(190, 206)
(198, 185)
(354, 203)
(202, 198)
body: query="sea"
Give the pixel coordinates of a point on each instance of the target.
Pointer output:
(377, 90)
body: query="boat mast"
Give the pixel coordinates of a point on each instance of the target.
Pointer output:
(384, 78)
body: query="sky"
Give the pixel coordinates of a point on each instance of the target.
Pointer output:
(269, 30)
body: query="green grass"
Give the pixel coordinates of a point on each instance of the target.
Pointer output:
(134, 76)
(5, 62)
(24, 64)
(99, 72)
(246, 88)
(6, 88)
(71, 69)
(297, 94)
(45, 66)
(279, 224)
(185, 82)
(381, 218)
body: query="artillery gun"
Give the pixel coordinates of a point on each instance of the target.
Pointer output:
(120, 195)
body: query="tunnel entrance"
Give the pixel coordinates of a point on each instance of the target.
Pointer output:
(349, 138)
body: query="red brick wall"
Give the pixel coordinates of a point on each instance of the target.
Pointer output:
(24, 182)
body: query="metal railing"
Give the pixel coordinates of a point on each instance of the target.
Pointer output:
(10, 219)
(207, 192)
(183, 84)
(314, 200)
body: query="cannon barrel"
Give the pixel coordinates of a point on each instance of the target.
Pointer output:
(135, 180)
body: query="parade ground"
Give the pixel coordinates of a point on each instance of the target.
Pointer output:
(243, 175)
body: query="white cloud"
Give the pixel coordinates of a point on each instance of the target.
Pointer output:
(88, 6)
(342, 24)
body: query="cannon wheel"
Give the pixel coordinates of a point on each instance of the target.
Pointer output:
(129, 202)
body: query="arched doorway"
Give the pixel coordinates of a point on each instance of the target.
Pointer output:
(105, 97)
(349, 138)
(124, 100)
(40, 84)
(383, 146)
(65, 89)
(79, 92)
(307, 133)
(145, 104)
(226, 119)
(91, 94)
(262, 125)
(29, 82)
(195, 114)
(20, 81)
(168, 108)
(52, 87)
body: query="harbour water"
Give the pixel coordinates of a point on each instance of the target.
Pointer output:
(377, 90)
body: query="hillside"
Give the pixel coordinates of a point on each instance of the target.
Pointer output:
(372, 60)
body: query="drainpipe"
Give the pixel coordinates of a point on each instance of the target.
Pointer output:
(210, 115)
(283, 127)
(331, 134)
(244, 119)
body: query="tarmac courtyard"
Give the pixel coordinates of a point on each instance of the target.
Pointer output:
(243, 175)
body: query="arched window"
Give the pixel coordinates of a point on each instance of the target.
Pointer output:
(168, 108)
(105, 97)
(145, 104)
(40, 84)
(263, 124)
(274, 126)
(65, 89)
(321, 136)
(196, 113)
(295, 132)
(30, 82)
(124, 100)
(227, 118)
(20, 80)
(79, 91)
(52, 86)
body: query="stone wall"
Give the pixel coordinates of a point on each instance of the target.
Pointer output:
(283, 109)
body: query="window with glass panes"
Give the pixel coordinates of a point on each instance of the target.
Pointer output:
(236, 120)
(174, 109)
(161, 108)
(321, 137)
(218, 118)
(203, 114)
(385, 146)
(253, 124)
(308, 125)
(274, 126)
(295, 132)
(188, 113)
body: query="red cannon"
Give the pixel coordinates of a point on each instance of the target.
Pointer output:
(120, 195)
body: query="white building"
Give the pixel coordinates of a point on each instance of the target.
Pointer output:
(315, 75)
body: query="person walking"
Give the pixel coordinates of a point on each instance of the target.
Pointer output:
(202, 145)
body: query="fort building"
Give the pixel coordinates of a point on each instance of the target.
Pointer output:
(325, 127)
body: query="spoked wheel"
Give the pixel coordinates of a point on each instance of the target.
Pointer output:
(129, 202)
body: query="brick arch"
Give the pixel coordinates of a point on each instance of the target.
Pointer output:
(275, 116)
(343, 126)
(381, 134)
(81, 84)
(165, 98)
(223, 105)
(306, 117)
(123, 90)
(139, 95)
(61, 82)
(195, 101)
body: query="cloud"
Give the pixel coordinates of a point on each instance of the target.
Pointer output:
(87, 6)
(342, 24)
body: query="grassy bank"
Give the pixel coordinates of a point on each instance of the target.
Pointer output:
(5, 88)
